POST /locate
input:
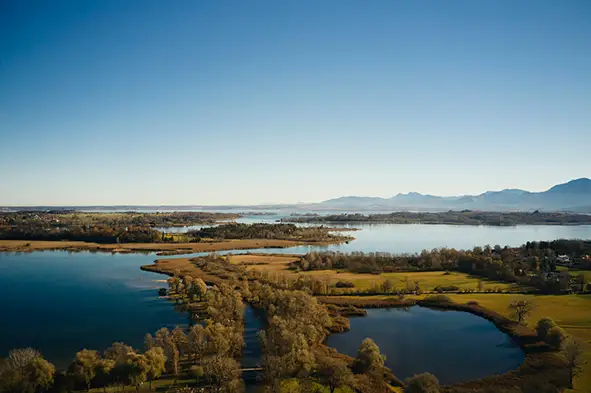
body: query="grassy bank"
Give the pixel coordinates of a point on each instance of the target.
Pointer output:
(571, 312)
(185, 248)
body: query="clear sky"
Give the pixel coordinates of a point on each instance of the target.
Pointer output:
(227, 102)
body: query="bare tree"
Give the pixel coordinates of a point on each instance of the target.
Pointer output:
(19, 358)
(573, 353)
(521, 309)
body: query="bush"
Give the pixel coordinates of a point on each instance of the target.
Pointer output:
(422, 383)
(543, 327)
(344, 284)
(438, 298)
(473, 303)
(556, 337)
(450, 288)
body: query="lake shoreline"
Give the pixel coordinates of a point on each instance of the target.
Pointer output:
(169, 248)
(540, 364)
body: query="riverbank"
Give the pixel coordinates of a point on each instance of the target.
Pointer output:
(172, 248)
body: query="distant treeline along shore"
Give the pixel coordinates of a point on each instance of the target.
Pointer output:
(464, 217)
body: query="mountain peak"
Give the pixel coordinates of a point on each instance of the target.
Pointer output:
(571, 196)
(582, 185)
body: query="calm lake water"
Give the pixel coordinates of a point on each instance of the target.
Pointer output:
(409, 238)
(454, 346)
(60, 302)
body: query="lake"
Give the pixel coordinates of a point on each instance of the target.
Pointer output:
(454, 346)
(60, 302)
(409, 238)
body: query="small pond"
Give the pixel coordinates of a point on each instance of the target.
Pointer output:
(452, 345)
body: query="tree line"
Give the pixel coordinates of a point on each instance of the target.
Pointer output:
(120, 219)
(116, 232)
(464, 217)
(532, 264)
(264, 231)
(207, 351)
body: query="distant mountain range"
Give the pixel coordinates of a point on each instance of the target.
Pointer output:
(574, 196)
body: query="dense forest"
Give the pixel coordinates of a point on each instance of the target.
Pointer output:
(532, 265)
(465, 217)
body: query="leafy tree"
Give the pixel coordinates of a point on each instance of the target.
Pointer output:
(138, 367)
(573, 352)
(180, 340)
(422, 383)
(369, 358)
(40, 373)
(174, 283)
(118, 352)
(543, 327)
(156, 363)
(85, 366)
(200, 288)
(197, 372)
(103, 371)
(556, 337)
(521, 309)
(334, 373)
(172, 356)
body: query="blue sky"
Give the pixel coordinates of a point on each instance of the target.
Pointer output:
(226, 102)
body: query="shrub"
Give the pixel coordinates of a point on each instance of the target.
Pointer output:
(422, 383)
(438, 298)
(543, 327)
(473, 303)
(344, 284)
(556, 337)
(450, 288)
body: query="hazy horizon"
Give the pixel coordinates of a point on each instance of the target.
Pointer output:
(263, 203)
(263, 102)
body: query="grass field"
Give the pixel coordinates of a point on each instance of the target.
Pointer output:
(263, 262)
(427, 280)
(572, 312)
